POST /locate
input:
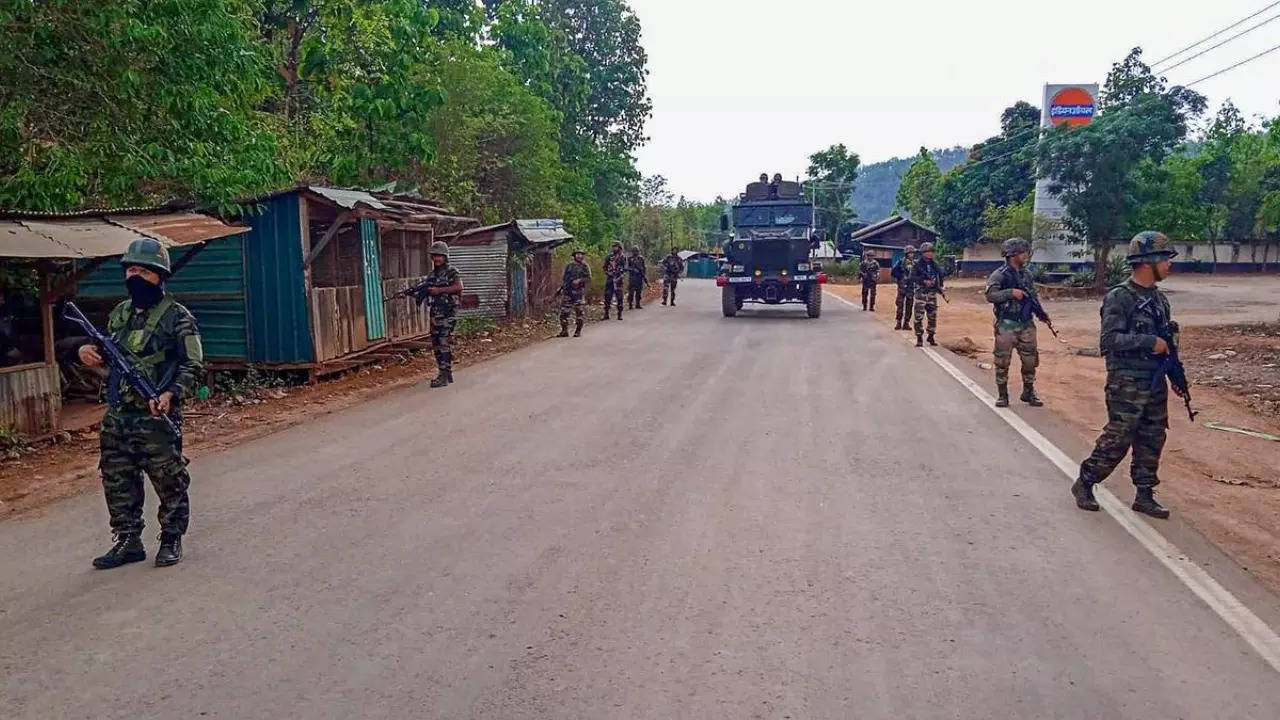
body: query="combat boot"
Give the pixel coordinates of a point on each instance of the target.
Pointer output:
(1083, 492)
(577, 329)
(1029, 396)
(1145, 503)
(932, 341)
(606, 313)
(897, 325)
(564, 331)
(919, 340)
(1002, 399)
(170, 552)
(127, 549)
(444, 378)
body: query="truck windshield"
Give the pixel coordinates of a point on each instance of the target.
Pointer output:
(773, 216)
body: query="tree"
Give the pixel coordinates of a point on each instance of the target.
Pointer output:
(919, 189)
(831, 177)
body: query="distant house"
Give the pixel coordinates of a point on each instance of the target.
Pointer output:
(887, 240)
(508, 266)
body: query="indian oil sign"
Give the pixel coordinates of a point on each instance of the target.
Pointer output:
(1073, 105)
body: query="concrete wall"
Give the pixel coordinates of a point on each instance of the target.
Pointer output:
(1231, 257)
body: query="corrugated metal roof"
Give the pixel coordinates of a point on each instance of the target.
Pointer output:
(349, 198)
(544, 231)
(887, 224)
(90, 237)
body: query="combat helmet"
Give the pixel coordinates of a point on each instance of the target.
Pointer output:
(617, 245)
(1013, 246)
(440, 247)
(909, 250)
(926, 247)
(148, 253)
(1149, 246)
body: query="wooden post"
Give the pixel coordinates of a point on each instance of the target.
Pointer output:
(47, 298)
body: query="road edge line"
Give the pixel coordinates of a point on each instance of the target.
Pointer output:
(1251, 628)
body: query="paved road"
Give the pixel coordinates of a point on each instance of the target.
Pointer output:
(676, 516)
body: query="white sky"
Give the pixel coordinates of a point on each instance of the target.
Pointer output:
(741, 87)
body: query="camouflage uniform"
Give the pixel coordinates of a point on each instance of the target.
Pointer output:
(904, 301)
(638, 275)
(1137, 414)
(869, 273)
(926, 298)
(444, 316)
(573, 294)
(166, 343)
(672, 267)
(1011, 331)
(615, 267)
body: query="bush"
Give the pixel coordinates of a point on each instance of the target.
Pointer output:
(472, 326)
(846, 269)
(241, 384)
(1117, 272)
(1039, 272)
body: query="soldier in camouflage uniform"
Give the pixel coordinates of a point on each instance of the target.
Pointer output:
(869, 273)
(926, 279)
(901, 273)
(1007, 291)
(444, 288)
(163, 341)
(637, 278)
(1133, 316)
(573, 293)
(672, 267)
(615, 267)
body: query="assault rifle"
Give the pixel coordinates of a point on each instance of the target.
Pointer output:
(572, 286)
(119, 362)
(1031, 306)
(1171, 365)
(417, 291)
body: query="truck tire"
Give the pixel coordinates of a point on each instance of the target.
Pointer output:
(814, 304)
(728, 301)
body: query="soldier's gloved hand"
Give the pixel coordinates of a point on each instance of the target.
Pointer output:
(1160, 347)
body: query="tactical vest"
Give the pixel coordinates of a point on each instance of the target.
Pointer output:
(1010, 311)
(156, 366)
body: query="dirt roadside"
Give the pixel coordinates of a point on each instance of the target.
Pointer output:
(1226, 485)
(61, 469)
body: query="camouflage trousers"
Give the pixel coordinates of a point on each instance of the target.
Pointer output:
(443, 322)
(1023, 339)
(634, 292)
(902, 304)
(572, 304)
(869, 293)
(669, 285)
(1137, 419)
(926, 304)
(612, 292)
(132, 444)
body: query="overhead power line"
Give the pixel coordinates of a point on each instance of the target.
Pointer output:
(1229, 68)
(1211, 48)
(1202, 41)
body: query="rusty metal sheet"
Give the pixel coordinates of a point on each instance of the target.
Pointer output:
(91, 237)
(178, 228)
(349, 198)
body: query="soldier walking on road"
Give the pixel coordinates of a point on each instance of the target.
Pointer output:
(163, 341)
(672, 267)
(926, 280)
(1008, 290)
(444, 288)
(637, 278)
(573, 293)
(901, 273)
(869, 273)
(615, 266)
(1134, 316)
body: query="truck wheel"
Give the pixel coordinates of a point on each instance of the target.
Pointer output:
(814, 305)
(729, 301)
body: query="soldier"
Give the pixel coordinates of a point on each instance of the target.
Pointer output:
(444, 290)
(901, 273)
(573, 293)
(615, 266)
(1134, 314)
(164, 342)
(1007, 291)
(638, 277)
(672, 267)
(869, 272)
(926, 280)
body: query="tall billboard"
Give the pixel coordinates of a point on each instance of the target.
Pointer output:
(1072, 105)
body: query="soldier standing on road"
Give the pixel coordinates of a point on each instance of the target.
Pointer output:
(637, 277)
(869, 272)
(672, 267)
(901, 273)
(573, 293)
(1007, 291)
(1134, 314)
(926, 279)
(444, 289)
(164, 342)
(615, 266)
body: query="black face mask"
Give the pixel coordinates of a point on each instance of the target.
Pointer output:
(143, 293)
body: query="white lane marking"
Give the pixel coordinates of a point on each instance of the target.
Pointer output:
(1236, 614)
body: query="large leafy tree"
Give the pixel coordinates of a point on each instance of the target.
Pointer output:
(831, 177)
(919, 189)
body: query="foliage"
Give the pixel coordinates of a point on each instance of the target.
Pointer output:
(472, 326)
(875, 195)
(658, 221)
(12, 442)
(919, 188)
(237, 385)
(831, 177)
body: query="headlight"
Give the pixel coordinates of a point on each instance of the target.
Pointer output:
(759, 273)
(803, 267)
(737, 268)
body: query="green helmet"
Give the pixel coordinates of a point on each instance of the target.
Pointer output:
(910, 249)
(617, 245)
(1013, 246)
(148, 253)
(926, 247)
(1149, 246)
(578, 251)
(440, 247)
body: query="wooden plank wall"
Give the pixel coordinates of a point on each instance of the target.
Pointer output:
(405, 318)
(339, 317)
(30, 399)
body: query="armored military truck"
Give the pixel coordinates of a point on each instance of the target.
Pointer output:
(767, 260)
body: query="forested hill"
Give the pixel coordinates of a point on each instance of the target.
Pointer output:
(877, 185)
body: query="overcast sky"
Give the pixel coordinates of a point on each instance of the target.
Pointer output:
(741, 87)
